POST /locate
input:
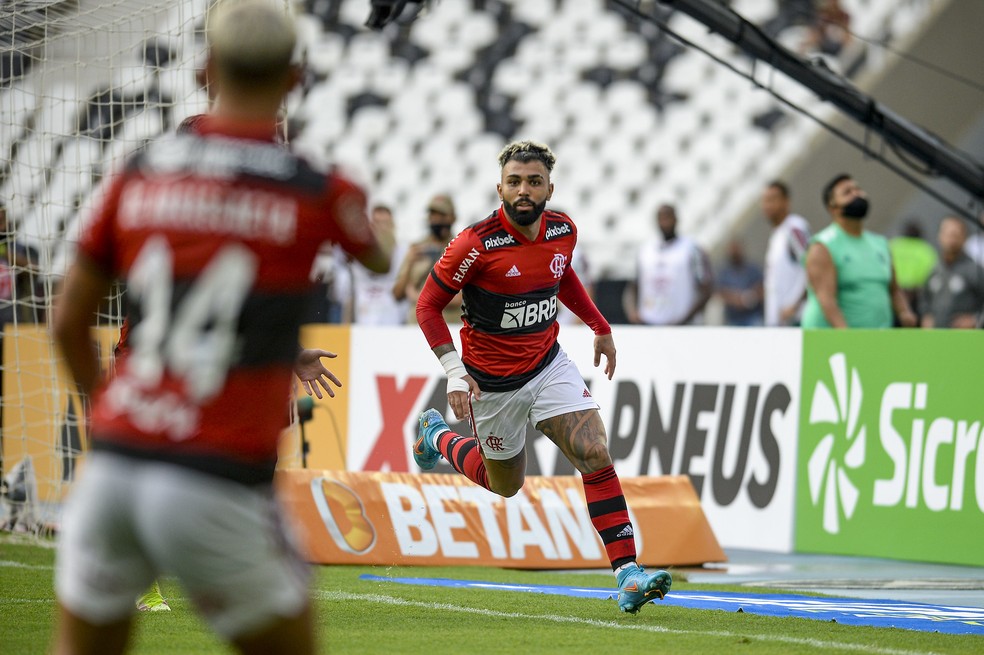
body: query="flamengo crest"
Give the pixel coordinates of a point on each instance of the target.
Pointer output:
(558, 264)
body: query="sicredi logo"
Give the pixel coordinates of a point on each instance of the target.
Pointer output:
(916, 460)
(926, 460)
(839, 409)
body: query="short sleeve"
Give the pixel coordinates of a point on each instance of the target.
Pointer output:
(347, 206)
(98, 226)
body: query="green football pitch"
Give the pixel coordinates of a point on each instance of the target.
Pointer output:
(356, 616)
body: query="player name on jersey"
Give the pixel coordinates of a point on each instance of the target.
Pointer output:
(201, 206)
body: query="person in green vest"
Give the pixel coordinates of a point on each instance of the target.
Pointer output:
(914, 259)
(850, 278)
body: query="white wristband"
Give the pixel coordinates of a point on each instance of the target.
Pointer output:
(458, 384)
(455, 371)
(453, 367)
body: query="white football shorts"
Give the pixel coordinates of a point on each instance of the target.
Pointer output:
(498, 418)
(128, 521)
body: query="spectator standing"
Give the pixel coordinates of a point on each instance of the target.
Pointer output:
(673, 278)
(975, 241)
(372, 301)
(851, 282)
(184, 436)
(785, 277)
(954, 295)
(422, 255)
(739, 283)
(331, 287)
(914, 259)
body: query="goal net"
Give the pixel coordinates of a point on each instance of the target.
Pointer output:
(83, 84)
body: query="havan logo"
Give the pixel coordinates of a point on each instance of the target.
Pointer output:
(465, 265)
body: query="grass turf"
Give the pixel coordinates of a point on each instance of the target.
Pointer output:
(356, 616)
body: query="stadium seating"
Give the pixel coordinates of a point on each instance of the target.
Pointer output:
(635, 118)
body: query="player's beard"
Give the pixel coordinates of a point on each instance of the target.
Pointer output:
(524, 217)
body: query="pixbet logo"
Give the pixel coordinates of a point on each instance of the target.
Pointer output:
(839, 410)
(555, 231)
(498, 241)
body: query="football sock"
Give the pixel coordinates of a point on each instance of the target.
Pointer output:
(609, 515)
(464, 456)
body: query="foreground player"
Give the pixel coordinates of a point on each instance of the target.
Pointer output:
(511, 269)
(215, 236)
(308, 367)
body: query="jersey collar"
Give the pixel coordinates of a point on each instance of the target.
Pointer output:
(253, 130)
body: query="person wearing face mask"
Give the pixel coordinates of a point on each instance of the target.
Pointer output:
(422, 256)
(850, 277)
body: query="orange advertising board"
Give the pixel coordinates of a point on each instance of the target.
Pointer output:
(326, 433)
(43, 413)
(413, 519)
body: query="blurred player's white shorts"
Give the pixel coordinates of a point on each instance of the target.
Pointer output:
(129, 520)
(498, 419)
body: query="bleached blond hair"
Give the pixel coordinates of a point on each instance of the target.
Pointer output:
(524, 151)
(251, 40)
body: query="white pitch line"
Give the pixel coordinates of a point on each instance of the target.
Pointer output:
(445, 607)
(19, 565)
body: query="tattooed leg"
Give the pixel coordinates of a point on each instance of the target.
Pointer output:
(581, 437)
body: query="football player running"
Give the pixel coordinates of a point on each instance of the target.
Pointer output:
(512, 268)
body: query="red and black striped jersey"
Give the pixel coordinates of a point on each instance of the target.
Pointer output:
(509, 287)
(214, 235)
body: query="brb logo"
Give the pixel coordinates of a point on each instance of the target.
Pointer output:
(521, 314)
(841, 448)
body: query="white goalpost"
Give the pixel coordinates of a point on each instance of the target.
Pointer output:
(83, 84)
